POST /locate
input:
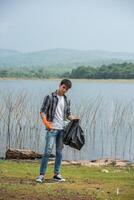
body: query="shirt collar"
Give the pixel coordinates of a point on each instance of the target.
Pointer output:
(55, 94)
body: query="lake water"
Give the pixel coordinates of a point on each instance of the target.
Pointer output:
(105, 107)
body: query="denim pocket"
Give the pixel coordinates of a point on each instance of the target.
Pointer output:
(52, 131)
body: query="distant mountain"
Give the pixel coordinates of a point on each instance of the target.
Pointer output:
(62, 58)
(7, 52)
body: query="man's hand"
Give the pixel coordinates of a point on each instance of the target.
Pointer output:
(72, 117)
(46, 122)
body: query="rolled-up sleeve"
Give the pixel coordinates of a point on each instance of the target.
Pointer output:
(45, 104)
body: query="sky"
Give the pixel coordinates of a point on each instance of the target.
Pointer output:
(35, 25)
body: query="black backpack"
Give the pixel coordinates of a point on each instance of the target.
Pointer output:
(73, 135)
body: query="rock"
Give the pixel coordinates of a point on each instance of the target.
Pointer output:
(121, 163)
(105, 161)
(105, 170)
(21, 154)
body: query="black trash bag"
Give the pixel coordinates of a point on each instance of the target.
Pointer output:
(73, 135)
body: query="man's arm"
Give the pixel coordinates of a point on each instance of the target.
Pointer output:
(45, 121)
(45, 104)
(43, 112)
(69, 114)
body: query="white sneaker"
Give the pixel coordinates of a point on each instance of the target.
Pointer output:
(59, 178)
(40, 179)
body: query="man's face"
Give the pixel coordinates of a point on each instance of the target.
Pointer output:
(63, 89)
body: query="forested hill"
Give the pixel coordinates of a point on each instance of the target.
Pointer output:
(113, 71)
(62, 58)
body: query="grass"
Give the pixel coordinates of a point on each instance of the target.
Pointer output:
(17, 181)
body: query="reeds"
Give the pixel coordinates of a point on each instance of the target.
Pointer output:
(108, 126)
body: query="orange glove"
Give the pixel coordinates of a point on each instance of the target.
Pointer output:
(46, 122)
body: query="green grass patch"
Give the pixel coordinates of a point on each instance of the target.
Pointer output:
(17, 181)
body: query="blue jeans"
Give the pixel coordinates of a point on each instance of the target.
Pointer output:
(51, 137)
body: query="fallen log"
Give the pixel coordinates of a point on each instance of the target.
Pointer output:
(23, 154)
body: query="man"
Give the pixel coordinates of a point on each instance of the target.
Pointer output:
(54, 111)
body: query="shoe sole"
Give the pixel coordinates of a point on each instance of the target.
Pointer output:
(39, 181)
(59, 180)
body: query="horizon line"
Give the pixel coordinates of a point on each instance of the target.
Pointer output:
(49, 49)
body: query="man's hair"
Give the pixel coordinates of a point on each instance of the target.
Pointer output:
(67, 83)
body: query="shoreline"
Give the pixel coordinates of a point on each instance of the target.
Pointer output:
(88, 163)
(75, 80)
